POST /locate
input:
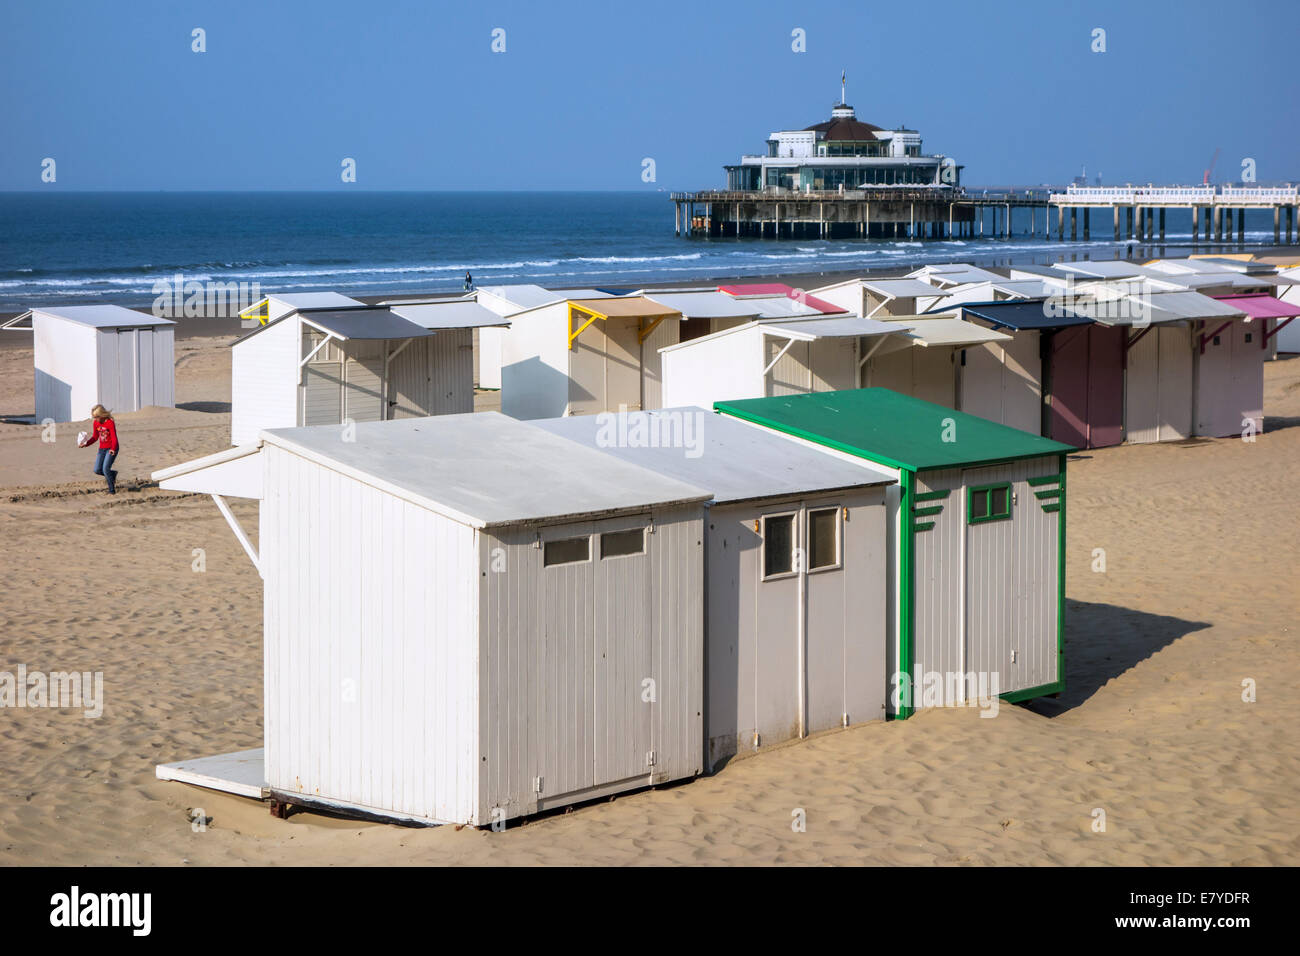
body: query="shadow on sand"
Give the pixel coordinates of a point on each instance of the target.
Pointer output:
(1103, 641)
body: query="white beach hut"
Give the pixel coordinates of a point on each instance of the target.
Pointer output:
(796, 570)
(775, 357)
(468, 619)
(361, 364)
(508, 301)
(98, 354)
(579, 356)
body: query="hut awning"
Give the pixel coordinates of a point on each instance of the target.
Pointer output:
(934, 333)
(809, 330)
(364, 324)
(235, 472)
(454, 314)
(632, 306)
(1020, 316)
(1261, 306)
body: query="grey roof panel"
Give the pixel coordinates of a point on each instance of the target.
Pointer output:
(485, 469)
(453, 314)
(734, 460)
(103, 316)
(709, 304)
(846, 327)
(374, 323)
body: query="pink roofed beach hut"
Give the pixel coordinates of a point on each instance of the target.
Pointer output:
(1230, 356)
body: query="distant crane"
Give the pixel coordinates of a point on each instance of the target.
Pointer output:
(1210, 172)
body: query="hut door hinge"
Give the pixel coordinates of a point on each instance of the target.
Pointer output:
(650, 758)
(537, 784)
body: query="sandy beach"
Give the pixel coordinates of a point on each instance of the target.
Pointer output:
(1197, 596)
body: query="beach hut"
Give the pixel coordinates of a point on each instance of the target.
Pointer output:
(508, 301)
(977, 538)
(1230, 352)
(1003, 381)
(877, 298)
(796, 566)
(929, 368)
(1160, 364)
(360, 364)
(775, 357)
(586, 355)
(86, 355)
(468, 619)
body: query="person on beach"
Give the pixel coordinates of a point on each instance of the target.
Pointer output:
(469, 282)
(103, 427)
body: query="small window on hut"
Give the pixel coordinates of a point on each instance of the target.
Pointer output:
(823, 538)
(778, 545)
(566, 551)
(989, 503)
(619, 544)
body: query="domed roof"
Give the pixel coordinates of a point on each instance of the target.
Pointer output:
(844, 126)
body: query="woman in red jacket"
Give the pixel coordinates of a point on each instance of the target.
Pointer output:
(103, 428)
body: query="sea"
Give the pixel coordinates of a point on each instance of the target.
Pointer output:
(82, 248)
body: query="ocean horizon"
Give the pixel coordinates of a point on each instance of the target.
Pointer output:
(88, 247)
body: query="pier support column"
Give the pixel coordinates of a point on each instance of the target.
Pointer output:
(679, 218)
(1008, 223)
(1074, 223)
(1290, 218)
(1060, 223)
(1087, 223)
(1241, 226)
(1116, 211)
(1277, 224)
(1218, 223)
(1209, 216)
(1032, 230)
(1162, 224)
(1140, 215)
(1196, 224)
(1129, 212)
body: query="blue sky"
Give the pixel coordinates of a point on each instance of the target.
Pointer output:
(584, 91)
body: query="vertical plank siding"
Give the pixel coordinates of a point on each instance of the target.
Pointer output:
(370, 621)
(1011, 594)
(564, 652)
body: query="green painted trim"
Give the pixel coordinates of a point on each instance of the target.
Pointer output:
(1050, 493)
(924, 512)
(970, 501)
(1029, 693)
(907, 577)
(932, 495)
(1043, 479)
(923, 526)
(1050, 509)
(1060, 586)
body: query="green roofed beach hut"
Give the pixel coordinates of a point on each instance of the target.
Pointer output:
(977, 535)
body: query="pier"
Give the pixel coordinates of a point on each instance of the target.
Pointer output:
(947, 212)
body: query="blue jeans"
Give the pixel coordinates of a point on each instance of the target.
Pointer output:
(104, 466)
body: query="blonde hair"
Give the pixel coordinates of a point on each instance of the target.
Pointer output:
(100, 413)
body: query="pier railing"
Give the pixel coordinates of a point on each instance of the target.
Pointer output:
(1176, 195)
